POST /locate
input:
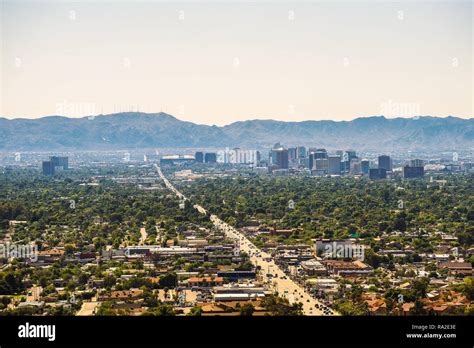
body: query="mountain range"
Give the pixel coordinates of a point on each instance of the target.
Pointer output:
(133, 130)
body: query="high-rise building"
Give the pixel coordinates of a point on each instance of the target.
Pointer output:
(355, 166)
(48, 168)
(365, 166)
(320, 153)
(334, 165)
(347, 156)
(311, 160)
(417, 163)
(210, 157)
(279, 157)
(385, 162)
(292, 154)
(301, 151)
(413, 172)
(199, 156)
(320, 166)
(59, 161)
(377, 173)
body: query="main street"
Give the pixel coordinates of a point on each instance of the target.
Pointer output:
(271, 272)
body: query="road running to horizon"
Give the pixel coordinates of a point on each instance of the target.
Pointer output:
(272, 274)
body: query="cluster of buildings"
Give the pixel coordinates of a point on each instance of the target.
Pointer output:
(54, 164)
(198, 157)
(197, 269)
(318, 162)
(330, 268)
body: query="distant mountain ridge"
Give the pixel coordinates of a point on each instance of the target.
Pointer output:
(141, 130)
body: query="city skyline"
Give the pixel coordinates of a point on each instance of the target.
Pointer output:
(217, 63)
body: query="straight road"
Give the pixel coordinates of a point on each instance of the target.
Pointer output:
(143, 235)
(271, 272)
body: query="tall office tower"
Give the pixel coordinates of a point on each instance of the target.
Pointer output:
(199, 157)
(317, 154)
(256, 157)
(292, 154)
(320, 153)
(280, 157)
(355, 166)
(311, 160)
(413, 172)
(59, 161)
(334, 165)
(365, 166)
(346, 160)
(48, 168)
(301, 151)
(210, 157)
(377, 173)
(417, 163)
(304, 162)
(385, 162)
(320, 166)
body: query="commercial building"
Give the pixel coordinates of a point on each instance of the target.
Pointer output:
(320, 166)
(377, 173)
(235, 275)
(365, 166)
(301, 151)
(347, 156)
(238, 293)
(292, 154)
(355, 166)
(172, 160)
(385, 162)
(48, 168)
(279, 157)
(60, 161)
(55, 163)
(334, 165)
(199, 157)
(416, 163)
(210, 157)
(413, 172)
(321, 157)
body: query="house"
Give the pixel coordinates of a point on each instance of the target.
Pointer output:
(406, 308)
(50, 255)
(462, 269)
(377, 306)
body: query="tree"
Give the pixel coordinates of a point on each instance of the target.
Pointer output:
(161, 310)
(247, 310)
(278, 306)
(195, 311)
(168, 280)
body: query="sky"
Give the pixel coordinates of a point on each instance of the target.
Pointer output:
(217, 62)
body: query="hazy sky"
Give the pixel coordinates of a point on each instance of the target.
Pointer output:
(222, 61)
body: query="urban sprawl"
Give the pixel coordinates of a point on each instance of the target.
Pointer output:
(285, 231)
